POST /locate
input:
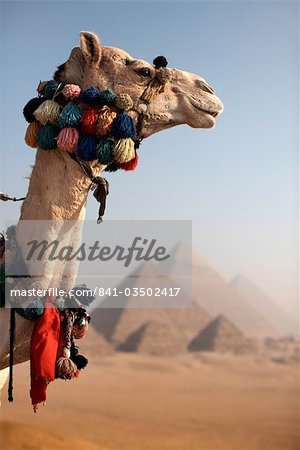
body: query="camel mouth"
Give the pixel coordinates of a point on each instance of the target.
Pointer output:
(196, 104)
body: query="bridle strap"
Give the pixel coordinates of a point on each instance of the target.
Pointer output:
(99, 185)
(146, 99)
(87, 170)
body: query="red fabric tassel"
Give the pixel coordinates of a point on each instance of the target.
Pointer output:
(43, 353)
(88, 121)
(130, 165)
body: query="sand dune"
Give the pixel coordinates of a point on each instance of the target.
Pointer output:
(201, 401)
(16, 436)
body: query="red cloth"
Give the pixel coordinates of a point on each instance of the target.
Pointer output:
(43, 352)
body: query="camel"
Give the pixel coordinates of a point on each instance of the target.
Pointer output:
(58, 187)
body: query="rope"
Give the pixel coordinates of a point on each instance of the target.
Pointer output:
(12, 333)
(5, 198)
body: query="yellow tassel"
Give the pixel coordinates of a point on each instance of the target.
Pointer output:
(124, 101)
(105, 120)
(123, 150)
(48, 112)
(31, 132)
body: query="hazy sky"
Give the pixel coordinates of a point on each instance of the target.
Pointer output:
(238, 181)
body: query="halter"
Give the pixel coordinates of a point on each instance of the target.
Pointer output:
(153, 88)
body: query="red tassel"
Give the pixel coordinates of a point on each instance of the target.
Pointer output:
(88, 121)
(130, 165)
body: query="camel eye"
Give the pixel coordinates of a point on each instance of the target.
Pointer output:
(144, 72)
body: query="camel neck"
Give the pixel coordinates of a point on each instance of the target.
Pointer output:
(57, 190)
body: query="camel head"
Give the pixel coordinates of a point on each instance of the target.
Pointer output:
(185, 99)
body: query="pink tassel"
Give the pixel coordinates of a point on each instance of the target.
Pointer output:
(68, 139)
(70, 91)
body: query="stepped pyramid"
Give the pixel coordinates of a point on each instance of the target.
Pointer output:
(221, 335)
(212, 292)
(116, 324)
(155, 338)
(94, 344)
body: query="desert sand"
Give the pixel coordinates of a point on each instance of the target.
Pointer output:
(123, 401)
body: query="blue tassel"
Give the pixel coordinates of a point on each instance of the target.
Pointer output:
(70, 116)
(123, 127)
(96, 97)
(33, 311)
(91, 96)
(46, 137)
(104, 151)
(50, 88)
(87, 148)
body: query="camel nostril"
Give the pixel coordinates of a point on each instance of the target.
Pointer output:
(204, 86)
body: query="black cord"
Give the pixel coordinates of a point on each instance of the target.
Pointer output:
(12, 333)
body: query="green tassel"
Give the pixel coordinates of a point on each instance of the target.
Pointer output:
(104, 151)
(70, 115)
(46, 137)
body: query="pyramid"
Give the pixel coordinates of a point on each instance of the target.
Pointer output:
(116, 324)
(259, 300)
(94, 344)
(221, 335)
(216, 296)
(155, 338)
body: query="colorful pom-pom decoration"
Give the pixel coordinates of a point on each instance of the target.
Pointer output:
(65, 368)
(46, 137)
(108, 97)
(50, 88)
(34, 310)
(123, 127)
(88, 121)
(70, 115)
(48, 112)
(71, 91)
(87, 148)
(105, 119)
(112, 167)
(124, 101)
(123, 150)
(93, 122)
(31, 134)
(97, 97)
(41, 87)
(104, 151)
(130, 165)
(160, 61)
(91, 96)
(68, 139)
(80, 361)
(31, 107)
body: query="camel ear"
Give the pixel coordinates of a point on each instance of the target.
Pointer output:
(90, 47)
